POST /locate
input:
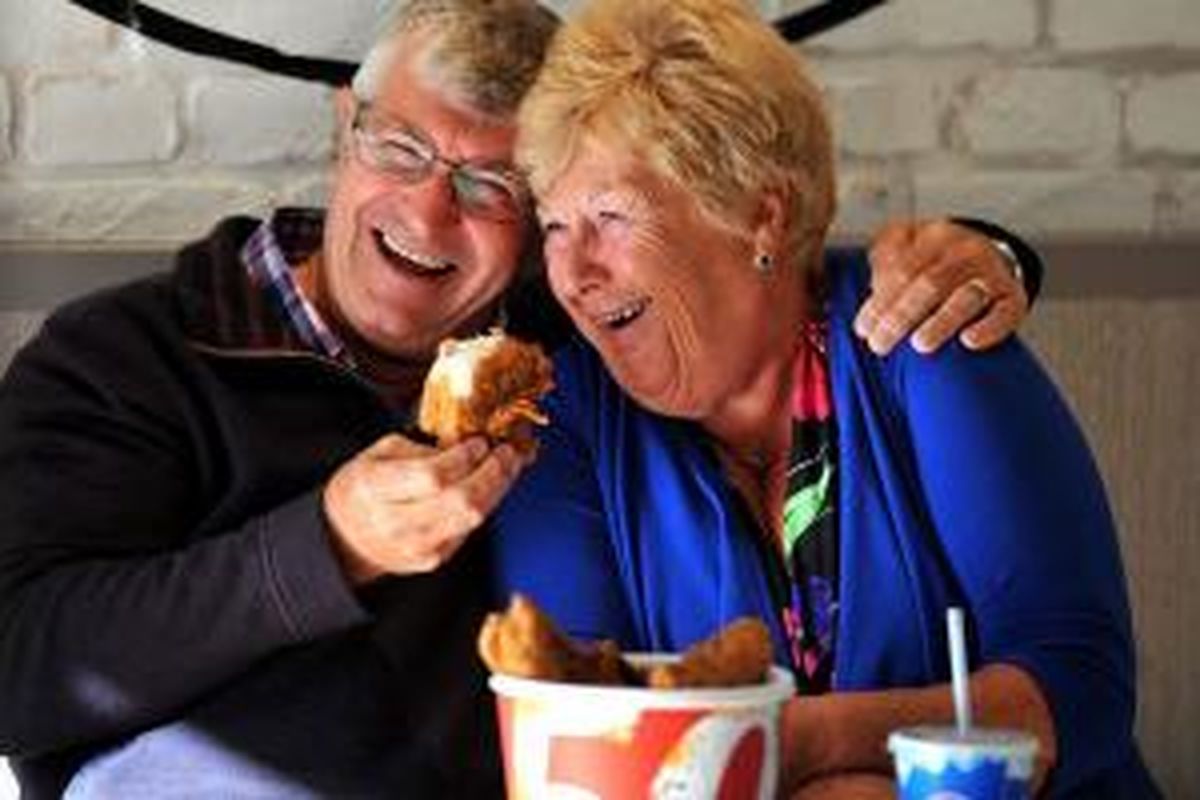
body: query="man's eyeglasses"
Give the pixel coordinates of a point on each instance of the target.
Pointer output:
(405, 153)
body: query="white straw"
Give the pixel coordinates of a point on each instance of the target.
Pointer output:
(958, 669)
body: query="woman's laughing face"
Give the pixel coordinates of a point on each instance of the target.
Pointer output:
(667, 295)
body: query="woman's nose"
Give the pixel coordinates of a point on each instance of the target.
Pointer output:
(573, 261)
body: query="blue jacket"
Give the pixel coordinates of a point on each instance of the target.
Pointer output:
(964, 480)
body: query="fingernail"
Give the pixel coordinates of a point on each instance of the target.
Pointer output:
(862, 326)
(971, 341)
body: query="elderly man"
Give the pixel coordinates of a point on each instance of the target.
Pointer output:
(224, 568)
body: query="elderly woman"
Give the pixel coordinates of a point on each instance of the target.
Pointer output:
(740, 451)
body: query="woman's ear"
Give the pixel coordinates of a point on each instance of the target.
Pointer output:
(768, 224)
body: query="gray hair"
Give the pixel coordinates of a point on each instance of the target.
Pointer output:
(483, 54)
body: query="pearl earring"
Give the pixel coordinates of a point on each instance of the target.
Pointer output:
(764, 263)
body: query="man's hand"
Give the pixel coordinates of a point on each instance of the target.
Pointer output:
(400, 507)
(938, 278)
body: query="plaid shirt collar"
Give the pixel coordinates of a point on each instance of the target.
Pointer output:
(270, 255)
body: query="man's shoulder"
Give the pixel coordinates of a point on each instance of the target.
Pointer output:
(221, 245)
(136, 309)
(110, 306)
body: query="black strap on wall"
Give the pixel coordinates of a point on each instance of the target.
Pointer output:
(183, 35)
(825, 17)
(191, 38)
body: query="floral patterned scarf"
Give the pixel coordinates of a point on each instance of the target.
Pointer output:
(810, 537)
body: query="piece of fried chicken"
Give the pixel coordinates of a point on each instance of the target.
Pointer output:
(737, 655)
(486, 385)
(523, 642)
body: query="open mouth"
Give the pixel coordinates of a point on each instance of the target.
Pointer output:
(625, 315)
(411, 262)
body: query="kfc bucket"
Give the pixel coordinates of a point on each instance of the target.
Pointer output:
(582, 741)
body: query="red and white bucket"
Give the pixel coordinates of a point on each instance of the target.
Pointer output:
(570, 741)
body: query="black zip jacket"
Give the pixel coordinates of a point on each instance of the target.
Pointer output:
(163, 557)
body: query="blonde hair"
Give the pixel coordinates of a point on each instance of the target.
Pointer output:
(706, 91)
(482, 54)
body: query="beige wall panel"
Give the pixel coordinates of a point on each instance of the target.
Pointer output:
(1131, 370)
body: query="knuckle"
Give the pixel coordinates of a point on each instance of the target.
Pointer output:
(435, 476)
(883, 259)
(469, 508)
(976, 245)
(1009, 311)
(940, 228)
(418, 556)
(966, 251)
(425, 564)
(890, 230)
(868, 315)
(925, 285)
(473, 517)
(887, 326)
(948, 315)
(360, 493)
(967, 296)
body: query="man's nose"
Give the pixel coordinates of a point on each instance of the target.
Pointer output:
(431, 201)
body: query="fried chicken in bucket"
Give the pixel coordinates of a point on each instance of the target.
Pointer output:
(523, 642)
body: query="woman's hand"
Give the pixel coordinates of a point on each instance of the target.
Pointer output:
(401, 507)
(938, 278)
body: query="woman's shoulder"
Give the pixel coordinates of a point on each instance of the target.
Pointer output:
(847, 277)
(1008, 374)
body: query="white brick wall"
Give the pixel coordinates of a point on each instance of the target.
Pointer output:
(1035, 113)
(112, 119)
(1050, 115)
(291, 121)
(1163, 117)
(1091, 25)
(884, 107)
(126, 209)
(1002, 24)
(1038, 201)
(45, 33)
(302, 26)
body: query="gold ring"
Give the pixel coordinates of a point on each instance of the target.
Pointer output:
(981, 291)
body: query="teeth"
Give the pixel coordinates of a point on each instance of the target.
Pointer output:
(624, 313)
(420, 259)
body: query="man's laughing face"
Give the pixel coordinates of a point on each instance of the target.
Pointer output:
(419, 242)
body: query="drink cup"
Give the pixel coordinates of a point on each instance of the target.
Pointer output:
(569, 741)
(942, 763)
